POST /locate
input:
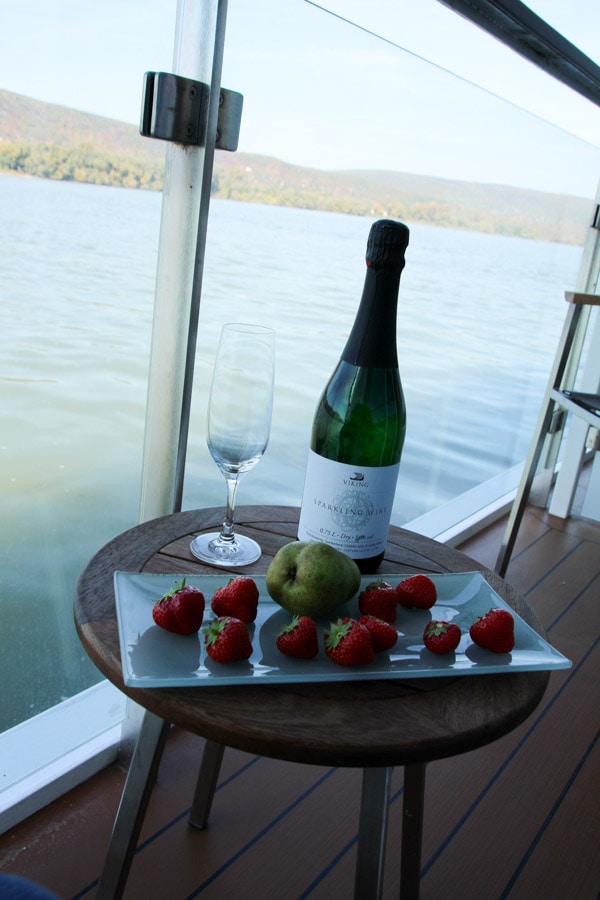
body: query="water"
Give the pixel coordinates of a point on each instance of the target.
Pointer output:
(479, 319)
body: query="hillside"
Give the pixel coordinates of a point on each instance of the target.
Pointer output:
(53, 141)
(27, 121)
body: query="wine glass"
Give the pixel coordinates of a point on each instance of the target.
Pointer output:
(239, 422)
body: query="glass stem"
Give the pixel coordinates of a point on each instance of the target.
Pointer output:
(227, 530)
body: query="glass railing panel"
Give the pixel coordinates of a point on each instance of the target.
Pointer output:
(78, 262)
(497, 224)
(79, 266)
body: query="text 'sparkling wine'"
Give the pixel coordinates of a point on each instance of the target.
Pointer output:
(360, 422)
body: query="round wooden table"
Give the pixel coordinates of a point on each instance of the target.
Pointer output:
(408, 723)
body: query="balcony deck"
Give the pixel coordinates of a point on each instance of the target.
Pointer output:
(516, 819)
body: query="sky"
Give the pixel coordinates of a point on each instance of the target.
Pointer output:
(393, 90)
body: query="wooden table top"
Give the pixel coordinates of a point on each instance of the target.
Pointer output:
(371, 723)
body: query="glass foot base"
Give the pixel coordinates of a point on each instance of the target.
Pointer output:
(226, 554)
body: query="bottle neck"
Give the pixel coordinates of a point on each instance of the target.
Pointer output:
(372, 341)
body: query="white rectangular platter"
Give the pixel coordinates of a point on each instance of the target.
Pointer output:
(153, 657)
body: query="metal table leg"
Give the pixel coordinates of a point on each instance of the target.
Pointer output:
(372, 833)
(206, 784)
(132, 808)
(412, 830)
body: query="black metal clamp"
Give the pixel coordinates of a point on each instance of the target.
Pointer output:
(175, 108)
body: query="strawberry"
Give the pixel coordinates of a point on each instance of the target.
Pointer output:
(181, 610)
(379, 599)
(417, 592)
(441, 637)
(383, 634)
(494, 631)
(238, 598)
(227, 640)
(348, 643)
(299, 638)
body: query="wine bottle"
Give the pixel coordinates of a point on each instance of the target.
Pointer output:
(360, 421)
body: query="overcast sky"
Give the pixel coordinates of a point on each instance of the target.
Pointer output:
(322, 92)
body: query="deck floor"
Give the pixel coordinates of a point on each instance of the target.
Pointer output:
(517, 819)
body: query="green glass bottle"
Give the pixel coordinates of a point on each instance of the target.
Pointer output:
(360, 422)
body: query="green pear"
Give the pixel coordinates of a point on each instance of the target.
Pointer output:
(309, 578)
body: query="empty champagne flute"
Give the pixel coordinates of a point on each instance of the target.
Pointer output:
(238, 428)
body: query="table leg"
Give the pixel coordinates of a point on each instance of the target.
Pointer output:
(132, 808)
(206, 784)
(372, 833)
(412, 830)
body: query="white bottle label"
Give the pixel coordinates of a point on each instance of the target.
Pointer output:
(348, 507)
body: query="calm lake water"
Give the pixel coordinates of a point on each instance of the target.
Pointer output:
(478, 321)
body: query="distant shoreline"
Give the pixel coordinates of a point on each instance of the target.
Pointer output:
(328, 192)
(51, 141)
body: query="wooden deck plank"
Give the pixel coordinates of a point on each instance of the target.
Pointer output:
(314, 828)
(558, 865)
(249, 817)
(519, 787)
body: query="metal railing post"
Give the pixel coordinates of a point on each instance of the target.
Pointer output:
(199, 40)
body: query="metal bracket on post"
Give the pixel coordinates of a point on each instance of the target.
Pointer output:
(176, 109)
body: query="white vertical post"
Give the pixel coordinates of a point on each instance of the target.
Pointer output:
(199, 27)
(574, 447)
(570, 470)
(199, 36)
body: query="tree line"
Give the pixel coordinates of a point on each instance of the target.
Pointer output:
(81, 163)
(271, 185)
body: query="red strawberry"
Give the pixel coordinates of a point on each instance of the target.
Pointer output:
(181, 610)
(299, 638)
(441, 637)
(348, 643)
(494, 631)
(383, 634)
(418, 592)
(238, 598)
(379, 599)
(227, 640)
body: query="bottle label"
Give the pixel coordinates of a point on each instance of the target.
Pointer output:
(348, 507)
